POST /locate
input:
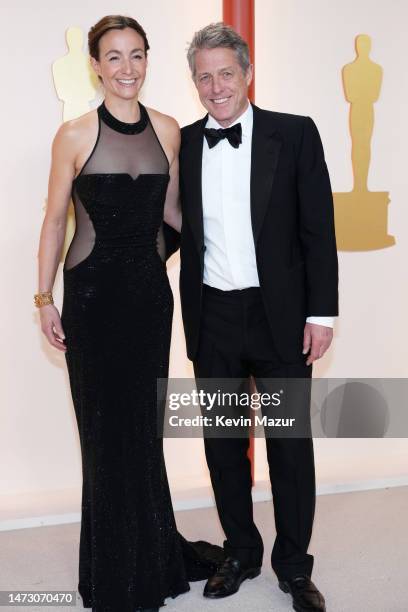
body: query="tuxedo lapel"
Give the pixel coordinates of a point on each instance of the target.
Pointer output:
(192, 169)
(266, 146)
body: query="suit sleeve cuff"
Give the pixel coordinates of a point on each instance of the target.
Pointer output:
(326, 321)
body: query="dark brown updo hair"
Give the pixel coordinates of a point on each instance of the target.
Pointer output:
(112, 22)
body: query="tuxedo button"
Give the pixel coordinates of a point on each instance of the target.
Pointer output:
(203, 248)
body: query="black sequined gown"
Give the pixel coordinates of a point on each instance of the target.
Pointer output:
(117, 315)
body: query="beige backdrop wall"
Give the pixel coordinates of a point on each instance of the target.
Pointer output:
(301, 48)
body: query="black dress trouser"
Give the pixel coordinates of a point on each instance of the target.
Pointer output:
(235, 342)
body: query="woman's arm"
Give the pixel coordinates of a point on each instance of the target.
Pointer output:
(172, 208)
(168, 132)
(59, 193)
(54, 226)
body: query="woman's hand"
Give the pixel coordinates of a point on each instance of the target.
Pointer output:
(51, 326)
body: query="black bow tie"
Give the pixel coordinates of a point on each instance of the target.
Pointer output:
(233, 134)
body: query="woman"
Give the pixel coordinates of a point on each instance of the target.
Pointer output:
(120, 163)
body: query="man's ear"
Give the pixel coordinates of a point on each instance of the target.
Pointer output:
(249, 74)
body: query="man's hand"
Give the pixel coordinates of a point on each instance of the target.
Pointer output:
(316, 339)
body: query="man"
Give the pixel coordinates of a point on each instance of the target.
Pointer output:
(258, 285)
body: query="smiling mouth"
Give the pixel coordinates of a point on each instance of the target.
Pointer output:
(219, 100)
(127, 82)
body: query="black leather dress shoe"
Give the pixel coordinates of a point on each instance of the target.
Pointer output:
(305, 594)
(147, 609)
(227, 580)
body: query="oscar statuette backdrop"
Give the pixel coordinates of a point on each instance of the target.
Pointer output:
(361, 216)
(76, 85)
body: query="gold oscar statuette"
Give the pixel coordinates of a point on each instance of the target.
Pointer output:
(361, 216)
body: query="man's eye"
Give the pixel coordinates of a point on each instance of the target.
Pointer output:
(227, 75)
(114, 57)
(137, 57)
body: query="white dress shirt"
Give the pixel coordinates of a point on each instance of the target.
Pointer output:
(229, 258)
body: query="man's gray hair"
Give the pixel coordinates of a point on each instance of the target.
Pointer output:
(218, 35)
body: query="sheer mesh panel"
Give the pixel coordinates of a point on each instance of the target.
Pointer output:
(161, 244)
(116, 152)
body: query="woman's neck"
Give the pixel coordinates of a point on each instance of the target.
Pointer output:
(127, 111)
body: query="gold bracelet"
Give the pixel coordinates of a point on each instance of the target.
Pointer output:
(43, 299)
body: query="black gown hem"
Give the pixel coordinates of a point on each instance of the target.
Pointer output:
(200, 559)
(88, 602)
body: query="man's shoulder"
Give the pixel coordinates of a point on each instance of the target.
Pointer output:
(288, 123)
(283, 121)
(191, 129)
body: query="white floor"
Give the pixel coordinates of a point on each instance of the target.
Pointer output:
(360, 544)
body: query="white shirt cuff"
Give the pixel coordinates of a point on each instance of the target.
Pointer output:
(326, 321)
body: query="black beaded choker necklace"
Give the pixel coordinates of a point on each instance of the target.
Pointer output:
(121, 126)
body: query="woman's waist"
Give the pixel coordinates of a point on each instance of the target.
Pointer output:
(123, 241)
(114, 256)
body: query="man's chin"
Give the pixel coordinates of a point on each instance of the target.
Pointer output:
(219, 115)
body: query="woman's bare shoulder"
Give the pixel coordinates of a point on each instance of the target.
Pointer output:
(164, 122)
(75, 133)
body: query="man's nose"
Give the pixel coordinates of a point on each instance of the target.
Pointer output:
(216, 85)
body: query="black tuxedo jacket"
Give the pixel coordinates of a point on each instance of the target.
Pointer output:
(292, 225)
